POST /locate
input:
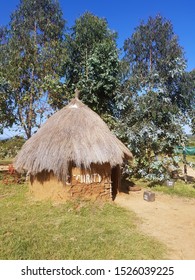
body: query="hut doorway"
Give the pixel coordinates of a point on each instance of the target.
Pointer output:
(116, 180)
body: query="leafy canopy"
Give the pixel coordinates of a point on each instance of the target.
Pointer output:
(151, 87)
(32, 51)
(92, 64)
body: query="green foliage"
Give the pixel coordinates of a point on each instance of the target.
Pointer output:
(154, 54)
(151, 96)
(188, 86)
(93, 62)
(154, 168)
(10, 147)
(7, 117)
(32, 49)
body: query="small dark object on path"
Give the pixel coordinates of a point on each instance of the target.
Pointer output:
(149, 196)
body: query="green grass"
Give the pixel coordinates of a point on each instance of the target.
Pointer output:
(6, 161)
(180, 188)
(73, 230)
(191, 140)
(190, 158)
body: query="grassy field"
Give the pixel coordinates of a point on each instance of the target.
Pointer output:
(191, 158)
(180, 189)
(73, 230)
(6, 161)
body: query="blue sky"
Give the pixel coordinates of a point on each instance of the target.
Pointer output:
(125, 15)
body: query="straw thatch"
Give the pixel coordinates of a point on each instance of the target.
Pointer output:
(74, 134)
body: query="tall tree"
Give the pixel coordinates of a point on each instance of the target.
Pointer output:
(187, 87)
(6, 99)
(7, 117)
(153, 116)
(155, 57)
(93, 61)
(31, 57)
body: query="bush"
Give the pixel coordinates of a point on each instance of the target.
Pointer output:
(10, 147)
(156, 169)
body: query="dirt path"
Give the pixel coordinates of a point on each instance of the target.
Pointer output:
(170, 219)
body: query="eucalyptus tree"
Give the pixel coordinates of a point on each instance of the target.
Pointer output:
(188, 87)
(93, 62)
(32, 53)
(152, 118)
(7, 117)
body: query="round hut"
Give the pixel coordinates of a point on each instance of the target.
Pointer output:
(73, 154)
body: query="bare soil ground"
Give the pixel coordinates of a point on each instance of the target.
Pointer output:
(170, 219)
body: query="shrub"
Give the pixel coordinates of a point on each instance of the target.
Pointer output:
(10, 147)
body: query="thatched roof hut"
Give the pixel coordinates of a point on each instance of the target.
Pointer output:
(74, 137)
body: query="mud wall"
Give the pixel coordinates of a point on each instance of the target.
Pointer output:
(94, 183)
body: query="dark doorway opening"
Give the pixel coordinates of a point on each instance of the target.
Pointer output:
(116, 180)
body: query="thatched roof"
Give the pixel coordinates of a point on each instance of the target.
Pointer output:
(73, 134)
